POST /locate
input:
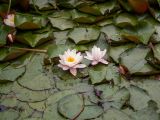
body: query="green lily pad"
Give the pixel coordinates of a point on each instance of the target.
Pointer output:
(9, 102)
(90, 112)
(125, 19)
(4, 31)
(24, 94)
(82, 17)
(100, 9)
(138, 98)
(11, 52)
(61, 23)
(114, 114)
(9, 115)
(51, 112)
(113, 33)
(97, 73)
(116, 51)
(119, 99)
(140, 33)
(107, 91)
(83, 35)
(156, 51)
(10, 73)
(29, 21)
(53, 99)
(56, 50)
(152, 88)
(112, 74)
(6, 88)
(43, 4)
(33, 39)
(40, 106)
(71, 106)
(34, 74)
(134, 60)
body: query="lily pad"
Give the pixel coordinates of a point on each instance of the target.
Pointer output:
(9, 115)
(98, 74)
(10, 73)
(29, 21)
(156, 51)
(114, 114)
(27, 95)
(138, 98)
(125, 19)
(136, 63)
(71, 106)
(90, 112)
(83, 35)
(61, 23)
(33, 39)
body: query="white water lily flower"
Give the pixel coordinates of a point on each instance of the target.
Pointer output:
(9, 20)
(71, 61)
(96, 56)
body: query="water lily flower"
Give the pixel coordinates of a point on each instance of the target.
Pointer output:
(96, 56)
(9, 20)
(71, 60)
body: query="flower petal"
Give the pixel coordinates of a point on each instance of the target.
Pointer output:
(103, 53)
(64, 67)
(104, 61)
(94, 62)
(80, 66)
(73, 71)
(89, 56)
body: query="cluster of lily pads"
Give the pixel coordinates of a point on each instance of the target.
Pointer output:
(39, 40)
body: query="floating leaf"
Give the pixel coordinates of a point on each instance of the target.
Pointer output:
(100, 9)
(90, 112)
(134, 60)
(115, 51)
(113, 33)
(112, 74)
(9, 53)
(43, 4)
(29, 21)
(84, 35)
(140, 33)
(138, 98)
(4, 31)
(56, 50)
(9, 115)
(61, 23)
(24, 94)
(33, 39)
(156, 51)
(125, 19)
(82, 17)
(97, 73)
(112, 114)
(51, 112)
(10, 73)
(71, 106)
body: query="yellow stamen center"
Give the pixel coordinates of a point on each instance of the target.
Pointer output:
(70, 59)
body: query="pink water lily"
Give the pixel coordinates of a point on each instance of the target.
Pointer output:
(96, 56)
(71, 60)
(9, 20)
